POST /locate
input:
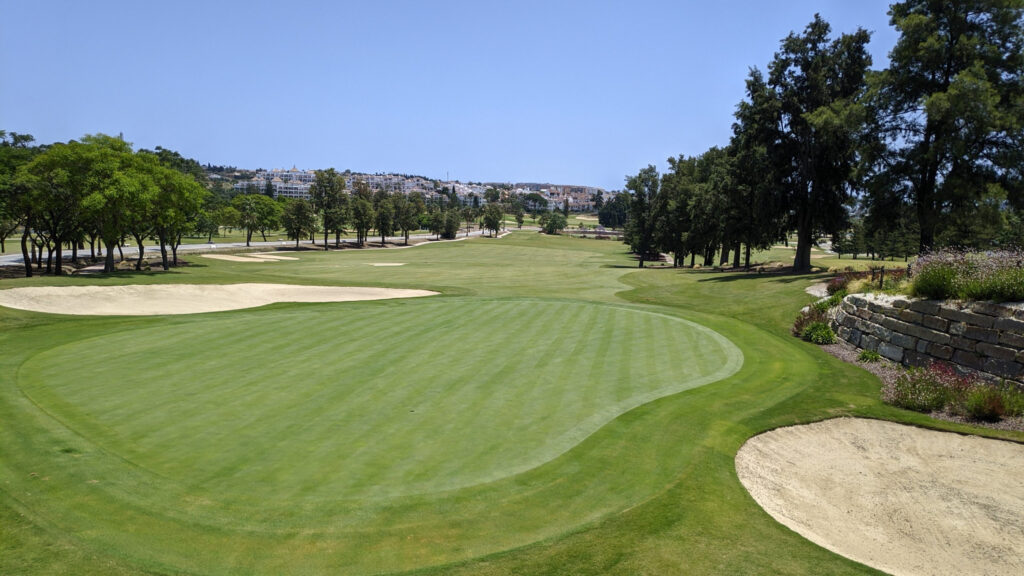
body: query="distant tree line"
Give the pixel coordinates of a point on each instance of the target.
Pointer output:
(926, 153)
(99, 192)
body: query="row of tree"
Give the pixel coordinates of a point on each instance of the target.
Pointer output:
(926, 153)
(98, 191)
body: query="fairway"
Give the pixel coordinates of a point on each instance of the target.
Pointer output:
(552, 410)
(282, 405)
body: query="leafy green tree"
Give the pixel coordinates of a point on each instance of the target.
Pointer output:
(518, 212)
(615, 212)
(298, 219)
(256, 213)
(56, 183)
(535, 202)
(640, 227)
(565, 207)
(452, 220)
(384, 215)
(362, 218)
(553, 222)
(493, 217)
(327, 194)
(949, 109)
(408, 209)
(175, 206)
(15, 151)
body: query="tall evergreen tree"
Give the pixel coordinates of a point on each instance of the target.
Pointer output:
(640, 227)
(949, 107)
(817, 83)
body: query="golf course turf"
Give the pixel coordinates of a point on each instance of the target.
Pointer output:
(554, 411)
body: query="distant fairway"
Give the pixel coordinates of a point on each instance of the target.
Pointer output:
(357, 401)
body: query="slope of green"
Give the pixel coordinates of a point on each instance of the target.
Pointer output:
(208, 444)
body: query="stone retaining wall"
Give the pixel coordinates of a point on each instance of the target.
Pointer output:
(981, 337)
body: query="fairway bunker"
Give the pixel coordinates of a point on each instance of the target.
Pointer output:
(901, 499)
(151, 299)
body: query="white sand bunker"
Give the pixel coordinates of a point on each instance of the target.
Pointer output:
(897, 498)
(272, 256)
(142, 300)
(387, 264)
(249, 258)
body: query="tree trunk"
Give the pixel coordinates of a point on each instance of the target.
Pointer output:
(120, 252)
(108, 262)
(326, 235)
(725, 255)
(693, 259)
(746, 257)
(264, 234)
(248, 237)
(26, 260)
(709, 255)
(736, 257)
(74, 251)
(802, 262)
(58, 269)
(142, 249)
(163, 253)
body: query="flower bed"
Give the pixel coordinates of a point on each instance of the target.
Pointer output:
(952, 274)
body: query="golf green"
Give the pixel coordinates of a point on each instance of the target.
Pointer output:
(363, 401)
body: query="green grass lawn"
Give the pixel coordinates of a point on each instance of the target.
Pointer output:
(554, 411)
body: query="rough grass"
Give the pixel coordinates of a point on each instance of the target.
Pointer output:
(105, 485)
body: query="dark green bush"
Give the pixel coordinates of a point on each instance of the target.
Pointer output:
(808, 317)
(985, 403)
(819, 333)
(868, 356)
(1013, 400)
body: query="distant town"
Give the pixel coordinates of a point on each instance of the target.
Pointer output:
(295, 183)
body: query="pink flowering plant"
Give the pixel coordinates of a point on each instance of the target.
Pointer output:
(940, 388)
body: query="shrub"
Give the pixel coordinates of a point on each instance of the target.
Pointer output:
(868, 356)
(939, 387)
(984, 403)
(1013, 400)
(806, 318)
(916, 389)
(839, 283)
(995, 275)
(819, 333)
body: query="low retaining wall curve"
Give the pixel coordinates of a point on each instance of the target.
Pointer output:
(986, 338)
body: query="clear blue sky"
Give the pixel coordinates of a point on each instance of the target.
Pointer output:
(581, 92)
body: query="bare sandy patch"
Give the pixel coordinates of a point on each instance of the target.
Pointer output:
(143, 300)
(272, 256)
(898, 498)
(385, 264)
(233, 258)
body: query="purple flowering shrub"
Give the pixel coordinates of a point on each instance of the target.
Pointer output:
(918, 389)
(940, 388)
(965, 275)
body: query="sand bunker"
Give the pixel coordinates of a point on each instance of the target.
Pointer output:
(387, 264)
(233, 258)
(272, 256)
(897, 498)
(142, 300)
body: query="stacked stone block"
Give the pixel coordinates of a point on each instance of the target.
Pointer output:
(981, 337)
